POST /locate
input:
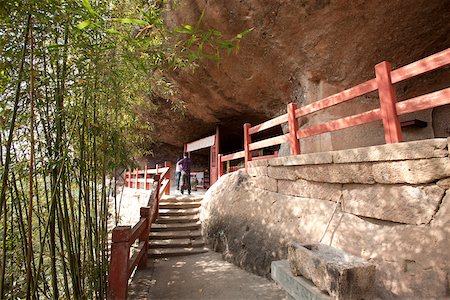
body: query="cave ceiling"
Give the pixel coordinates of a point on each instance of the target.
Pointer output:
(294, 46)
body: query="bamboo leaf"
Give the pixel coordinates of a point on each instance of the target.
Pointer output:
(84, 24)
(112, 31)
(185, 29)
(89, 8)
(130, 21)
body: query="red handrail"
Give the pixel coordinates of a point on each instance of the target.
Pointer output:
(134, 178)
(121, 265)
(388, 112)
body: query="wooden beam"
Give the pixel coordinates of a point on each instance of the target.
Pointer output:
(247, 142)
(427, 64)
(430, 100)
(388, 99)
(269, 124)
(362, 118)
(294, 143)
(270, 142)
(233, 156)
(356, 91)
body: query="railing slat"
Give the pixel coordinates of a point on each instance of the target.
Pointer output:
(268, 124)
(137, 230)
(422, 66)
(365, 117)
(356, 91)
(270, 142)
(136, 258)
(232, 156)
(427, 101)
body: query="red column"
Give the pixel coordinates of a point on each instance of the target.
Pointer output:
(118, 266)
(144, 237)
(145, 177)
(136, 173)
(247, 142)
(388, 99)
(293, 127)
(157, 178)
(220, 165)
(167, 164)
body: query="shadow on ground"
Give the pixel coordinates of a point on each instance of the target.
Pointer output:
(203, 276)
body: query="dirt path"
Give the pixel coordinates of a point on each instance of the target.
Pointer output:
(202, 276)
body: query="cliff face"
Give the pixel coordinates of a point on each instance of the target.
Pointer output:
(302, 51)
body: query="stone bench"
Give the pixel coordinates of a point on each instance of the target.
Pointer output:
(342, 275)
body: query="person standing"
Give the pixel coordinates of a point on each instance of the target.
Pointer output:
(177, 173)
(185, 165)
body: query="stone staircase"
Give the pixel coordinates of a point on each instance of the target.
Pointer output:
(177, 230)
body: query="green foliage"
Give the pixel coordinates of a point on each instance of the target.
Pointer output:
(76, 77)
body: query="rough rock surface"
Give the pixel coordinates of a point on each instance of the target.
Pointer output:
(396, 203)
(240, 220)
(307, 189)
(341, 274)
(303, 51)
(402, 228)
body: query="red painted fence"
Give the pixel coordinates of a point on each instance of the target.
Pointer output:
(121, 265)
(141, 179)
(388, 111)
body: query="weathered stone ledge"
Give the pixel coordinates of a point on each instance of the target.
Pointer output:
(419, 171)
(401, 227)
(423, 149)
(397, 203)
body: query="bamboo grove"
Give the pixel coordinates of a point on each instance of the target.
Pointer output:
(73, 74)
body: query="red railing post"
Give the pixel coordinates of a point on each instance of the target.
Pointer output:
(130, 184)
(145, 177)
(167, 164)
(145, 214)
(293, 127)
(158, 185)
(157, 169)
(388, 99)
(247, 142)
(219, 165)
(118, 266)
(136, 184)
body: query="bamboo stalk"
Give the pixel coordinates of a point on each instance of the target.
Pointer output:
(31, 168)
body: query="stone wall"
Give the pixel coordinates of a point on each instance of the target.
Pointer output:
(389, 204)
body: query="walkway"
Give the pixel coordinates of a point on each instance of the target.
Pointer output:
(199, 276)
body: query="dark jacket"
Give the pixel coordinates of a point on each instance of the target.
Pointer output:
(185, 165)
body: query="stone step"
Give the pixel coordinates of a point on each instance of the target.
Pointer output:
(177, 200)
(175, 226)
(297, 287)
(162, 235)
(177, 219)
(178, 212)
(179, 205)
(177, 243)
(161, 253)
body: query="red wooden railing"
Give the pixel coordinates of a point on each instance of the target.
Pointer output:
(141, 179)
(121, 265)
(388, 112)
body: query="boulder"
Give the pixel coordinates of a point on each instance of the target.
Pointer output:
(412, 171)
(397, 203)
(310, 189)
(342, 275)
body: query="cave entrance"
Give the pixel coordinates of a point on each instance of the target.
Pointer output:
(228, 138)
(205, 159)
